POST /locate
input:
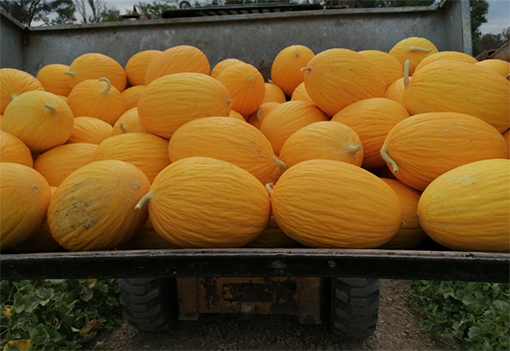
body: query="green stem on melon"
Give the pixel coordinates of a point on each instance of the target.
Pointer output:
(143, 201)
(269, 188)
(352, 149)
(51, 108)
(108, 85)
(417, 48)
(122, 127)
(280, 163)
(406, 73)
(388, 159)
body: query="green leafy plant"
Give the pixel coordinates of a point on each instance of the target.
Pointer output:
(477, 315)
(57, 314)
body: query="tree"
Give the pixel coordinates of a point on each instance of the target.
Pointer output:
(479, 9)
(155, 9)
(28, 11)
(494, 41)
(90, 10)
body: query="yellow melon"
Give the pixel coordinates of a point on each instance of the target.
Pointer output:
(146, 151)
(54, 80)
(206, 202)
(172, 100)
(24, 195)
(177, 59)
(446, 55)
(226, 139)
(336, 78)
(12, 149)
(422, 147)
(372, 119)
(131, 95)
(499, 66)
(237, 115)
(396, 91)
(93, 65)
(256, 118)
(59, 162)
(389, 67)
(136, 66)
(323, 140)
(334, 204)
(220, 66)
(89, 130)
(300, 93)
(93, 208)
(286, 67)
(128, 122)
(466, 208)
(286, 118)
(14, 82)
(41, 120)
(414, 49)
(273, 93)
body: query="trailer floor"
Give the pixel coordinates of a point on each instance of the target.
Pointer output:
(396, 330)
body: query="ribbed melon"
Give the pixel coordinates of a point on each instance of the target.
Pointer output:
(273, 93)
(396, 91)
(422, 147)
(54, 80)
(89, 130)
(136, 66)
(24, 195)
(227, 139)
(499, 66)
(256, 118)
(446, 55)
(131, 95)
(323, 140)
(414, 49)
(334, 204)
(206, 202)
(129, 122)
(286, 67)
(14, 82)
(14, 150)
(389, 67)
(466, 208)
(172, 100)
(300, 93)
(94, 207)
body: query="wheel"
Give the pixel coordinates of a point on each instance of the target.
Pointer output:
(354, 307)
(149, 304)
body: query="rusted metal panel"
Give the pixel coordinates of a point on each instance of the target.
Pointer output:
(241, 262)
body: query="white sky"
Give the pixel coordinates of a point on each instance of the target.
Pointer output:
(498, 16)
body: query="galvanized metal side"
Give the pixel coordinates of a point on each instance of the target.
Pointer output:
(11, 42)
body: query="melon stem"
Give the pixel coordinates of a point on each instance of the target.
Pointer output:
(406, 73)
(305, 69)
(280, 163)
(352, 149)
(51, 108)
(14, 96)
(386, 157)
(108, 85)
(122, 127)
(71, 73)
(269, 188)
(143, 200)
(417, 48)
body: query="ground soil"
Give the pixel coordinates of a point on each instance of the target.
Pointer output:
(396, 330)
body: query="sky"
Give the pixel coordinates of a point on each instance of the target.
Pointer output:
(498, 16)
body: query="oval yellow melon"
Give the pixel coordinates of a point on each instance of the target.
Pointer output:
(414, 49)
(499, 66)
(41, 241)
(146, 151)
(300, 93)
(131, 95)
(54, 80)
(172, 100)
(136, 66)
(245, 85)
(39, 119)
(24, 198)
(14, 150)
(336, 78)
(93, 208)
(206, 202)
(389, 67)
(93, 65)
(220, 66)
(466, 208)
(286, 67)
(372, 119)
(256, 118)
(14, 82)
(446, 55)
(273, 93)
(177, 59)
(506, 135)
(286, 118)
(97, 98)
(229, 140)
(453, 86)
(422, 147)
(410, 234)
(59, 162)
(334, 204)
(129, 122)
(237, 115)
(323, 140)
(89, 130)
(396, 91)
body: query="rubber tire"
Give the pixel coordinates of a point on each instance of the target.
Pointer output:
(149, 305)
(354, 307)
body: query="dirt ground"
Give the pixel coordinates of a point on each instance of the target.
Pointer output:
(396, 330)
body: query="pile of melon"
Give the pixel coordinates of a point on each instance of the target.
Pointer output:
(338, 149)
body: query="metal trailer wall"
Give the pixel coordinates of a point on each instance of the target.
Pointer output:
(254, 38)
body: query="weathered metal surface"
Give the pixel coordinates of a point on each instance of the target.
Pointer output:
(11, 42)
(255, 38)
(374, 263)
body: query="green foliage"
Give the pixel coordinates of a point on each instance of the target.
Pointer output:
(475, 314)
(46, 11)
(57, 314)
(154, 10)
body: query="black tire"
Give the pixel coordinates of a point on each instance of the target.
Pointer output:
(149, 305)
(354, 307)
